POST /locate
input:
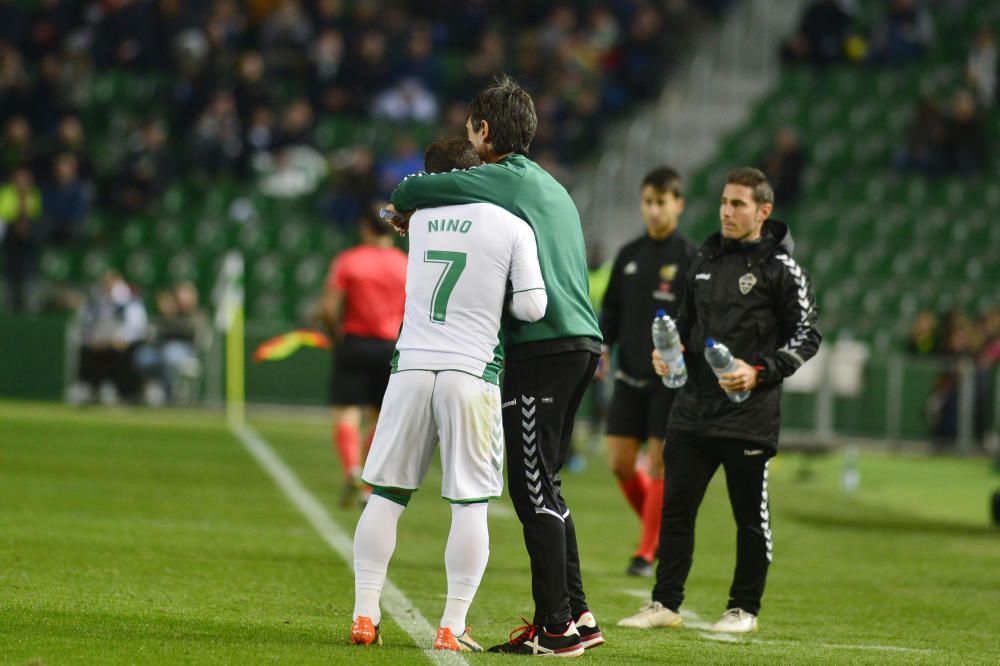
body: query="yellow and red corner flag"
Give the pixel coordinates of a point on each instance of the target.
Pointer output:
(283, 346)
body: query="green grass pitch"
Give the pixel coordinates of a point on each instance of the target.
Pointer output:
(138, 537)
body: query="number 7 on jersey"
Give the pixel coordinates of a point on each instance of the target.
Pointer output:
(454, 264)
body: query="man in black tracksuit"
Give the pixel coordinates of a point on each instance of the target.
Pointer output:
(744, 290)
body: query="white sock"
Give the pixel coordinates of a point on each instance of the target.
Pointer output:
(465, 561)
(374, 541)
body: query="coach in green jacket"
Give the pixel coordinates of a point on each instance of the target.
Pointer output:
(549, 362)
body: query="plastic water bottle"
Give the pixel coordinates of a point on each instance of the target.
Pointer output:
(721, 361)
(667, 341)
(850, 477)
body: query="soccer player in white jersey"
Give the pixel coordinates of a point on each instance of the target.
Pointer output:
(445, 386)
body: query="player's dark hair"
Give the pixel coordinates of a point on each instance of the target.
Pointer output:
(450, 152)
(665, 179)
(755, 180)
(370, 219)
(510, 113)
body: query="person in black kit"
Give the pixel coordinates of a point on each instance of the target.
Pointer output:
(647, 275)
(745, 290)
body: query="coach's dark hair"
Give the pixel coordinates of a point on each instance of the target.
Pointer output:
(450, 152)
(510, 113)
(665, 179)
(370, 218)
(755, 180)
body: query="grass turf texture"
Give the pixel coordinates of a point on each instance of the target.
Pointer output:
(153, 537)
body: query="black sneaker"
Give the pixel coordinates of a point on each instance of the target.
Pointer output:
(590, 633)
(532, 640)
(640, 567)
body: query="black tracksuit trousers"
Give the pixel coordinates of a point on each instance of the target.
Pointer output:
(540, 398)
(689, 463)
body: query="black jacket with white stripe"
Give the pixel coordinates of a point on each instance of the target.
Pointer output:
(759, 302)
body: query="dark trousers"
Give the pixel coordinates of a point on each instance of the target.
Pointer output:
(689, 463)
(540, 397)
(98, 365)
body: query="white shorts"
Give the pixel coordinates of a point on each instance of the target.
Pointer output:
(422, 407)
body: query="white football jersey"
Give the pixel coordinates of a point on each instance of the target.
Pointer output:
(460, 260)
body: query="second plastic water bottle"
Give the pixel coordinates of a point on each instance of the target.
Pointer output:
(668, 342)
(721, 361)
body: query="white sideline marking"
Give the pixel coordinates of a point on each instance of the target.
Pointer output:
(394, 601)
(693, 621)
(638, 594)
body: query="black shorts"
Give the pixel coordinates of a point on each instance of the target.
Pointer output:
(360, 371)
(640, 412)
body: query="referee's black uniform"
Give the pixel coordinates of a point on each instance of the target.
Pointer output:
(647, 275)
(757, 300)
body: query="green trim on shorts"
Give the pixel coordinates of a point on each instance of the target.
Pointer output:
(476, 500)
(392, 494)
(492, 379)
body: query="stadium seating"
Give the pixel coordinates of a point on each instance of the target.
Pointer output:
(880, 244)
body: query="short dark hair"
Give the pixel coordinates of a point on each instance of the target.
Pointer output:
(665, 179)
(374, 222)
(755, 179)
(450, 152)
(510, 113)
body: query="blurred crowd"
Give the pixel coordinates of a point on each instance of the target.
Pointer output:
(955, 337)
(127, 356)
(239, 88)
(946, 134)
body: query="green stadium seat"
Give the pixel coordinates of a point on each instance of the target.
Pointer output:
(142, 268)
(183, 267)
(55, 264)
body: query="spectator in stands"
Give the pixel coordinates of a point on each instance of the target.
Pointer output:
(15, 84)
(225, 28)
(126, 34)
(354, 186)
(406, 159)
(69, 139)
(365, 71)
(217, 143)
(253, 90)
(181, 329)
(20, 215)
(981, 67)
(285, 35)
(65, 202)
(644, 52)
(963, 340)
(112, 326)
(297, 125)
(261, 136)
(146, 171)
(326, 61)
(13, 23)
(46, 101)
(407, 101)
(19, 148)
(822, 34)
(965, 145)
(421, 63)
(925, 139)
(784, 164)
(924, 334)
(905, 35)
(49, 23)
